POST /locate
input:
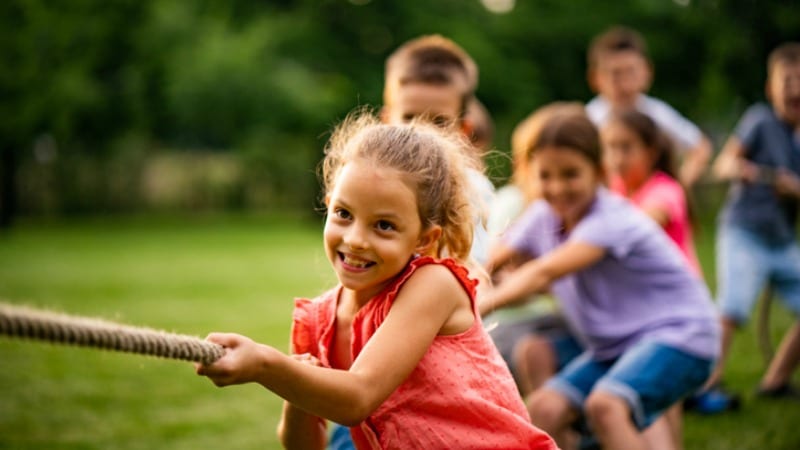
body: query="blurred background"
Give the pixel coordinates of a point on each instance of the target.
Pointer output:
(172, 105)
(193, 128)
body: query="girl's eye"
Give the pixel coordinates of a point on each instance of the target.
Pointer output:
(384, 225)
(341, 213)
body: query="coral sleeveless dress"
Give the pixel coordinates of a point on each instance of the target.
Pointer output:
(460, 395)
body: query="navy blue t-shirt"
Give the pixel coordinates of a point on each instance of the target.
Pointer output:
(757, 207)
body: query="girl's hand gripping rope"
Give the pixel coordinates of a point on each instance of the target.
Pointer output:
(240, 364)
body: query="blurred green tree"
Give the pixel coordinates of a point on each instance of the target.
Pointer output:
(268, 79)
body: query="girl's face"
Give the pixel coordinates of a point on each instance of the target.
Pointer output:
(567, 180)
(625, 154)
(372, 228)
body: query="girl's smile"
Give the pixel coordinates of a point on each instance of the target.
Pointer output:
(568, 181)
(352, 262)
(372, 229)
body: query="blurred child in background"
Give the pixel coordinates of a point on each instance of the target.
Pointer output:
(534, 329)
(620, 72)
(756, 237)
(639, 163)
(431, 78)
(647, 320)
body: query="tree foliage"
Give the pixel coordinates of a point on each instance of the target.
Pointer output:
(268, 79)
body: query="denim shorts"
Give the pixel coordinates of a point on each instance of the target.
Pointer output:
(649, 376)
(746, 263)
(551, 327)
(565, 347)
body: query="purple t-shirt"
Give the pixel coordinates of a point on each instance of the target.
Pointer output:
(642, 287)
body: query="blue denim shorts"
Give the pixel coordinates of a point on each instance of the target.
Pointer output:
(649, 376)
(565, 347)
(746, 263)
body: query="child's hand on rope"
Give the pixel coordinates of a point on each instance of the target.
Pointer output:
(240, 363)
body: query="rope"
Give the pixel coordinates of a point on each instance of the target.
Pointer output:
(23, 322)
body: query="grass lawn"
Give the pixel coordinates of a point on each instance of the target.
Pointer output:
(197, 275)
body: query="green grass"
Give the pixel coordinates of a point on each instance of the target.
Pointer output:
(187, 276)
(196, 275)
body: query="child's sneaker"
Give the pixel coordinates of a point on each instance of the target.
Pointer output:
(785, 391)
(714, 400)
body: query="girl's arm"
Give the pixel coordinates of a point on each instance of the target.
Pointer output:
(301, 430)
(536, 275)
(659, 214)
(298, 429)
(695, 162)
(430, 302)
(502, 256)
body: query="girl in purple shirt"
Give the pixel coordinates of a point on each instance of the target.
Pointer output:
(649, 326)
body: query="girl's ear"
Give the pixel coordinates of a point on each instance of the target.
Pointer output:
(602, 175)
(648, 76)
(467, 127)
(384, 113)
(428, 240)
(591, 79)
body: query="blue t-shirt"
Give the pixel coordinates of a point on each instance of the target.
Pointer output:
(770, 142)
(641, 288)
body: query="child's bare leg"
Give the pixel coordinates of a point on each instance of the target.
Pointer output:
(729, 327)
(535, 363)
(610, 417)
(553, 413)
(785, 360)
(666, 433)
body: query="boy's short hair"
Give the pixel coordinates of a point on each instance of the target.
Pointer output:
(615, 39)
(786, 53)
(431, 59)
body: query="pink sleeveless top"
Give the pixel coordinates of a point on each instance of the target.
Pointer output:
(460, 395)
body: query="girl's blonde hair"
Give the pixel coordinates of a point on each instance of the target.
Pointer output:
(432, 162)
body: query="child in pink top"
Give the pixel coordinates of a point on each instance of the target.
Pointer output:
(638, 159)
(396, 351)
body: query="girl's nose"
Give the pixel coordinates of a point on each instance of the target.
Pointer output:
(355, 238)
(557, 187)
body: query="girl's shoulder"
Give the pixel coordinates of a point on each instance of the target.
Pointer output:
(311, 319)
(317, 310)
(435, 270)
(660, 186)
(612, 221)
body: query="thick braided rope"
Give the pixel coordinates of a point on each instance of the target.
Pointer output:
(17, 321)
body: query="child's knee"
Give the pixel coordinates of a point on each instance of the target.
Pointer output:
(549, 410)
(605, 410)
(532, 352)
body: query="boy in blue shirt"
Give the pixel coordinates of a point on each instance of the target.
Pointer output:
(756, 242)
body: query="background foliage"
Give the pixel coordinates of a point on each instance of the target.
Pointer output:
(95, 92)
